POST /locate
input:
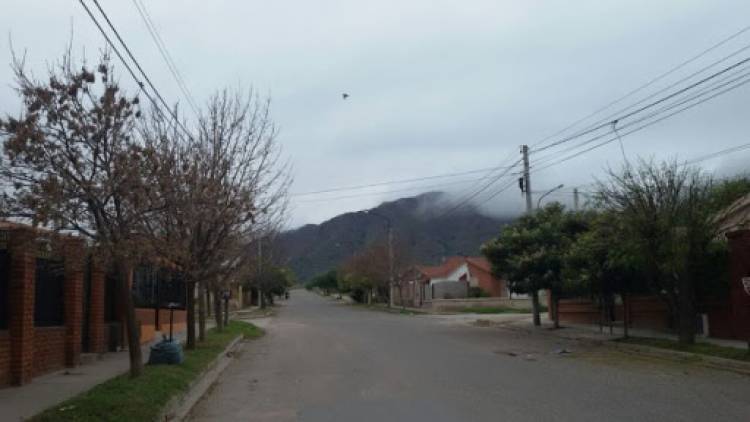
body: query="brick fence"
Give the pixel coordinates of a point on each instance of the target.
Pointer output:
(25, 349)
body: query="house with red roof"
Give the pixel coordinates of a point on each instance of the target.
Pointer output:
(456, 277)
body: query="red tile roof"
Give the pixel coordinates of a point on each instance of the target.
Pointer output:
(452, 263)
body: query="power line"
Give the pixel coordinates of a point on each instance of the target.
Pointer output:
(629, 94)
(498, 192)
(649, 83)
(413, 188)
(650, 105)
(466, 200)
(132, 57)
(471, 192)
(689, 106)
(719, 85)
(122, 59)
(712, 155)
(397, 181)
(161, 46)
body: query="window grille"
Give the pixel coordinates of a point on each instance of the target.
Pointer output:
(49, 303)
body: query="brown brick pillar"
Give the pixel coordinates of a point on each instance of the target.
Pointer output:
(97, 337)
(739, 267)
(21, 303)
(73, 299)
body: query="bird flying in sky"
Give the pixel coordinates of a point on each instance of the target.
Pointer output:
(345, 95)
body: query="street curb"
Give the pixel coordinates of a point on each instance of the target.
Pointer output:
(706, 361)
(178, 408)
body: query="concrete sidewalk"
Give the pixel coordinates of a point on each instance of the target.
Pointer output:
(593, 332)
(43, 392)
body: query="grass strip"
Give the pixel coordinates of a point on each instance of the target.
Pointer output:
(701, 348)
(494, 310)
(141, 399)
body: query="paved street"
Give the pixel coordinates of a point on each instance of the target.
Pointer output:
(324, 361)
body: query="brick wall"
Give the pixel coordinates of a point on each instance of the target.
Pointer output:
(21, 305)
(49, 350)
(25, 350)
(179, 320)
(146, 318)
(739, 300)
(4, 357)
(647, 312)
(74, 259)
(97, 326)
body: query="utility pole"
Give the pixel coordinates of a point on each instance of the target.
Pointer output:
(526, 178)
(529, 210)
(575, 199)
(261, 299)
(390, 265)
(389, 229)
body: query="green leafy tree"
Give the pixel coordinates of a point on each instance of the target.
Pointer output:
(668, 211)
(530, 253)
(327, 282)
(597, 266)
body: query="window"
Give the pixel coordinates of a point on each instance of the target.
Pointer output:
(145, 286)
(49, 303)
(171, 289)
(110, 297)
(4, 280)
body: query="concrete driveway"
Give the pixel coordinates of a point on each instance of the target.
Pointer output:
(324, 361)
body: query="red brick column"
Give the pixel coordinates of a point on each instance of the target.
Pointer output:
(21, 303)
(739, 267)
(73, 297)
(97, 337)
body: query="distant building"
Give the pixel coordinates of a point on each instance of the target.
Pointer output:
(456, 278)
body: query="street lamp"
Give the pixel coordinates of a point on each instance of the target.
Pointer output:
(539, 201)
(389, 228)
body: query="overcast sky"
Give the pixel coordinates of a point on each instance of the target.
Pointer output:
(436, 86)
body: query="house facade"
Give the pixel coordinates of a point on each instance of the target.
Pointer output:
(456, 278)
(57, 303)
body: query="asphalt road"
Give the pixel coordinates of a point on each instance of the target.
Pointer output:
(323, 361)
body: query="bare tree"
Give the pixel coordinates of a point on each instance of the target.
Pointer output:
(370, 269)
(75, 164)
(218, 189)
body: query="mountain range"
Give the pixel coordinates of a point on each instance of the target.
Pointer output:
(420, 224)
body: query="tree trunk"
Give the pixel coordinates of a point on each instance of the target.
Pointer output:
(217, 310)
(226, 312)
(535, 308)
(687, 312)
(625, 315)
(190, 307)
(131, 325)
(201, 313)
(555, 309)
(262, 298)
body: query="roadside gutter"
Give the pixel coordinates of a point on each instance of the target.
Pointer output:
(179, 407)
